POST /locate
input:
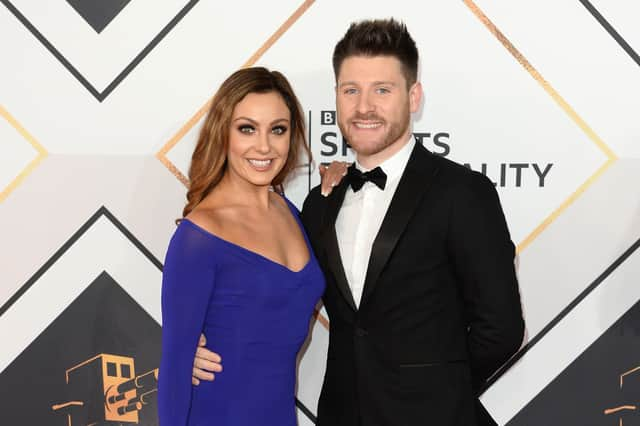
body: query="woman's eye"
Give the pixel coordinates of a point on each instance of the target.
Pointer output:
(279, 130)
(246, 128)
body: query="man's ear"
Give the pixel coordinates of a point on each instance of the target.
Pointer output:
(415, 96)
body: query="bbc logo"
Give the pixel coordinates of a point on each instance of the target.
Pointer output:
(328, 118)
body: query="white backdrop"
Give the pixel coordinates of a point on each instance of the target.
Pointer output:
(541, 96)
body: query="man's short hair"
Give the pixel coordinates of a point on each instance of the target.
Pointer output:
(379, 37)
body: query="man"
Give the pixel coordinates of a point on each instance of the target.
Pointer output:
(421, 290)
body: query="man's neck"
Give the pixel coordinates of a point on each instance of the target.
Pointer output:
(372, 161)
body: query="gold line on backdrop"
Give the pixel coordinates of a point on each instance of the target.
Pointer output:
(42, 153)
(162, 154)
(611, 157)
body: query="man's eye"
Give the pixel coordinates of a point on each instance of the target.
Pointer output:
(350, 91)
(279, 130)
(246, 128)
(382, 90)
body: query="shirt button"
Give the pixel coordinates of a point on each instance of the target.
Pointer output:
(361, 332)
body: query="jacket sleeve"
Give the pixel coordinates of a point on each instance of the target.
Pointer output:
(483, 255)
(188, 280)
(312, 210)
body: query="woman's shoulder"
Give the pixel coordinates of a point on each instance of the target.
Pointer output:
(194, 236)
(206, 218)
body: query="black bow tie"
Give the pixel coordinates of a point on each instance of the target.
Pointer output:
(357, 178)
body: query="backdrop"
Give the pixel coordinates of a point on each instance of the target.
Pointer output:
(100, 104)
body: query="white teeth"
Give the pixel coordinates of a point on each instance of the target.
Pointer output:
(260, 163)
(367, 125)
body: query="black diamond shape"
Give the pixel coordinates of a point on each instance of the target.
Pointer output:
(591, 384)
(100, 13)
(104, 319)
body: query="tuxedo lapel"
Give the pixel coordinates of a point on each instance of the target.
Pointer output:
(416, 179)
(330, 242)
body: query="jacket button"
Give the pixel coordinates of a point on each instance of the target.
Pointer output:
(361, 332)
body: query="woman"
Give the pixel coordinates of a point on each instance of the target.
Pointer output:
(239, 267)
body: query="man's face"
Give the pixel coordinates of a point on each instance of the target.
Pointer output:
(374, 105)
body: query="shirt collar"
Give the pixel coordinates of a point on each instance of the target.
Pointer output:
(394, 165)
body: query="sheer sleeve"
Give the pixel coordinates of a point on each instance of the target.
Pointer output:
(188, 280)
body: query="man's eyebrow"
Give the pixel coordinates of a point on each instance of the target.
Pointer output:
(375, 83)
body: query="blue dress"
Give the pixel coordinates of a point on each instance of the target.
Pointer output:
(254, 312)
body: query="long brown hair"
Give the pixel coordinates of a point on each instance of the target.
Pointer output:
(209, 159)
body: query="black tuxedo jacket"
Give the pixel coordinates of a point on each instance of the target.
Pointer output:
(440, 309)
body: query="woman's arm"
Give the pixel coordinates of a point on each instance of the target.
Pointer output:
(187, 283)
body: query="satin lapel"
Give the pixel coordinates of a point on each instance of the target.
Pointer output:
(330, 242)
(415, 181)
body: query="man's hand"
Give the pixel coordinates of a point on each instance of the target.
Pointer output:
(205, 363)
(332, 175)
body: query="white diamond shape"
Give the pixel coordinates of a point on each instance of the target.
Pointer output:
(103, 247)
(100, 57)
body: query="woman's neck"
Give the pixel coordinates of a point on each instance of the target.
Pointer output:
(240, 191)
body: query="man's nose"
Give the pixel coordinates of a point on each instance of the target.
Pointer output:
(364, 104)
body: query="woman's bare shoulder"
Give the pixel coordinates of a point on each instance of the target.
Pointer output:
(207, 218)
(217, 218)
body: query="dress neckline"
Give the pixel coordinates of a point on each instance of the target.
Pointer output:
(255, 253)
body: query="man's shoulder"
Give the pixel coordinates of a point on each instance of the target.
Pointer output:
(314, 204)
(460, 182)
(456, 175)
(313, 199)
(313, 211)
(314, 193)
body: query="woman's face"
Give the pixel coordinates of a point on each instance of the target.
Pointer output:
(259, 138)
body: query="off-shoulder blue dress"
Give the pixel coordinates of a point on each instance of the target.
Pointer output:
(255, 314)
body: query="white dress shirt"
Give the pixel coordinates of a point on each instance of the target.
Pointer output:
(361, 215)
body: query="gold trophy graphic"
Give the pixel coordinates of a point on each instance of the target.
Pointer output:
(106, 391)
